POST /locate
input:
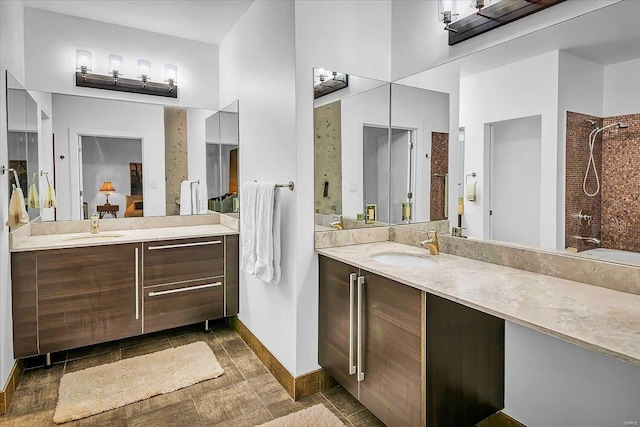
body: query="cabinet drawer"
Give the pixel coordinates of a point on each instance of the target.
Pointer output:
(180, 260)
(170, 306)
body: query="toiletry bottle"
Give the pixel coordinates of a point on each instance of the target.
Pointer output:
(95, 223)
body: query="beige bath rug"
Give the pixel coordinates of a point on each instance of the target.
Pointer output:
(102, 388)
(316, 416)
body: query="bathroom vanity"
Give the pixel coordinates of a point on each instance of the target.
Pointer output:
(425, 345)
(74, 290)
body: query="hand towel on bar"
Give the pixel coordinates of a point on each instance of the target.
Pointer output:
(34, 197)
(261, 234)
(50, 198)
(17, 211)
(188, 198)
(248, 221)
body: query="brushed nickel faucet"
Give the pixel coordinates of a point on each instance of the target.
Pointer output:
(431, 242)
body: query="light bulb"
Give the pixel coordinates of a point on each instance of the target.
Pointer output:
(83, 60)
(115, 65)
(171, 74)
(144, 67)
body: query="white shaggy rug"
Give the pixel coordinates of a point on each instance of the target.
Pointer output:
(102, 388)
(316, 416)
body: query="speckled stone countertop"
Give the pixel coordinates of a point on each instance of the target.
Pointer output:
(593, 317)
(74, 240)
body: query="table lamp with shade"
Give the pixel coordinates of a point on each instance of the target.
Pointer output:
(107, 188)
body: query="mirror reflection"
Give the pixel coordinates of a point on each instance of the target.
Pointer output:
(123, 159)
(351, 141)
(222, 160)
(551, 136)
(22, 149)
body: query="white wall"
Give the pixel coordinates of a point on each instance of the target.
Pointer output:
(580, 89)
(521, 89)
(622, 88)
(257, 67)
(420, 42)
(51, 41)
(75, 115)
(11, 59)
(107, 159)
(550, 382)
(362, 31)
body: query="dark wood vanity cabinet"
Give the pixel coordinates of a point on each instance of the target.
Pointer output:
(68, 298)
(424, 360)
(88, 295)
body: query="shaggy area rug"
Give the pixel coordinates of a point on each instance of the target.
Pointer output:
(316, 416)
(102, 388)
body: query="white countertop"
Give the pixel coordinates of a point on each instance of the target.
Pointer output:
(593, 317)
(74, 240)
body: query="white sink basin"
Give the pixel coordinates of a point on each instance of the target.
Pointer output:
(405, 260)
(94, 236)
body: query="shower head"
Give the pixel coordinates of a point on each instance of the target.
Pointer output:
(623, 125)
(591, 122)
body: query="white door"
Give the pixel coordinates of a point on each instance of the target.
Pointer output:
(515, 180)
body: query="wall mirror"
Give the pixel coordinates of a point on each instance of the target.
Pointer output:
(22, 144)
(126, 159)
(551, 144)
(351, 144)
(222, 160)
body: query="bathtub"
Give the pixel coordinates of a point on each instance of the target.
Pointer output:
(613, 255)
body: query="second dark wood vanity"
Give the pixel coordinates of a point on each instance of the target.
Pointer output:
(79, 296)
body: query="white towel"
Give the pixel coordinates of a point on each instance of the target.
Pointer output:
(189, 198)
(17, 211)
(260, 219)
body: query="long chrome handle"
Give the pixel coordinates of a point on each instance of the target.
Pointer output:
(192, 288)
(352, 295)
(184, 245)
(360, 361)
(137, 288)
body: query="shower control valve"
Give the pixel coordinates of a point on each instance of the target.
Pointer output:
(584, 217)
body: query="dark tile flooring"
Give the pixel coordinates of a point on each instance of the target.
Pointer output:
(245, 395)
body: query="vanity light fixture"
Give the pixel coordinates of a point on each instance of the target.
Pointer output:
(325, 81)
(115, 81)
(447, 14)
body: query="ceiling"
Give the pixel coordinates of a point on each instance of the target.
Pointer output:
(207, 21)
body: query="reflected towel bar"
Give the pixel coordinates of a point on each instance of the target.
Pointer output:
(290, 185)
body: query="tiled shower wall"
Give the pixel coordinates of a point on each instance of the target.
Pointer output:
(616, 209)
(577, 157)
(621, 184)
(439, 166)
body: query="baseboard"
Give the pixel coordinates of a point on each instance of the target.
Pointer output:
(6, 394)
(297, 387)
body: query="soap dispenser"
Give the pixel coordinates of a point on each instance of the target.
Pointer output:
(95, 223)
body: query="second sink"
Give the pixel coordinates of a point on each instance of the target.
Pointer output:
(405, 260)
(94, 236)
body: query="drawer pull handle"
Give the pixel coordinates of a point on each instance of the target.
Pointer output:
(192, 288)
(184, 245)
(361, 283)
(137, 288)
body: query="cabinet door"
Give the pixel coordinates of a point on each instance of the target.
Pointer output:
(465, 364)
(334, 326)
(88, 295)
(393, 355)
(23, 304)
(183, 260)
(231, 276)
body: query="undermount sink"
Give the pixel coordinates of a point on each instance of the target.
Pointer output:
(94, 236)
(405, 260)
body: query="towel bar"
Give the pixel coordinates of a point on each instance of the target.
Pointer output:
(290, 185)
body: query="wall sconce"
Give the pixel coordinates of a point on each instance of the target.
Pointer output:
(83, 61)
(479, 4)
(447, 14)
(115, 81)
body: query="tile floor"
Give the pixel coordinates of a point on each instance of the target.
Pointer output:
(246, 395)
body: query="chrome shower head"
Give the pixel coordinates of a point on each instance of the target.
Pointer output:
(623, 125)
(591, 122)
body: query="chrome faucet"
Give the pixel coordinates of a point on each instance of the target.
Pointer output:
(431, 242)
(339, 224)
(588, 239)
